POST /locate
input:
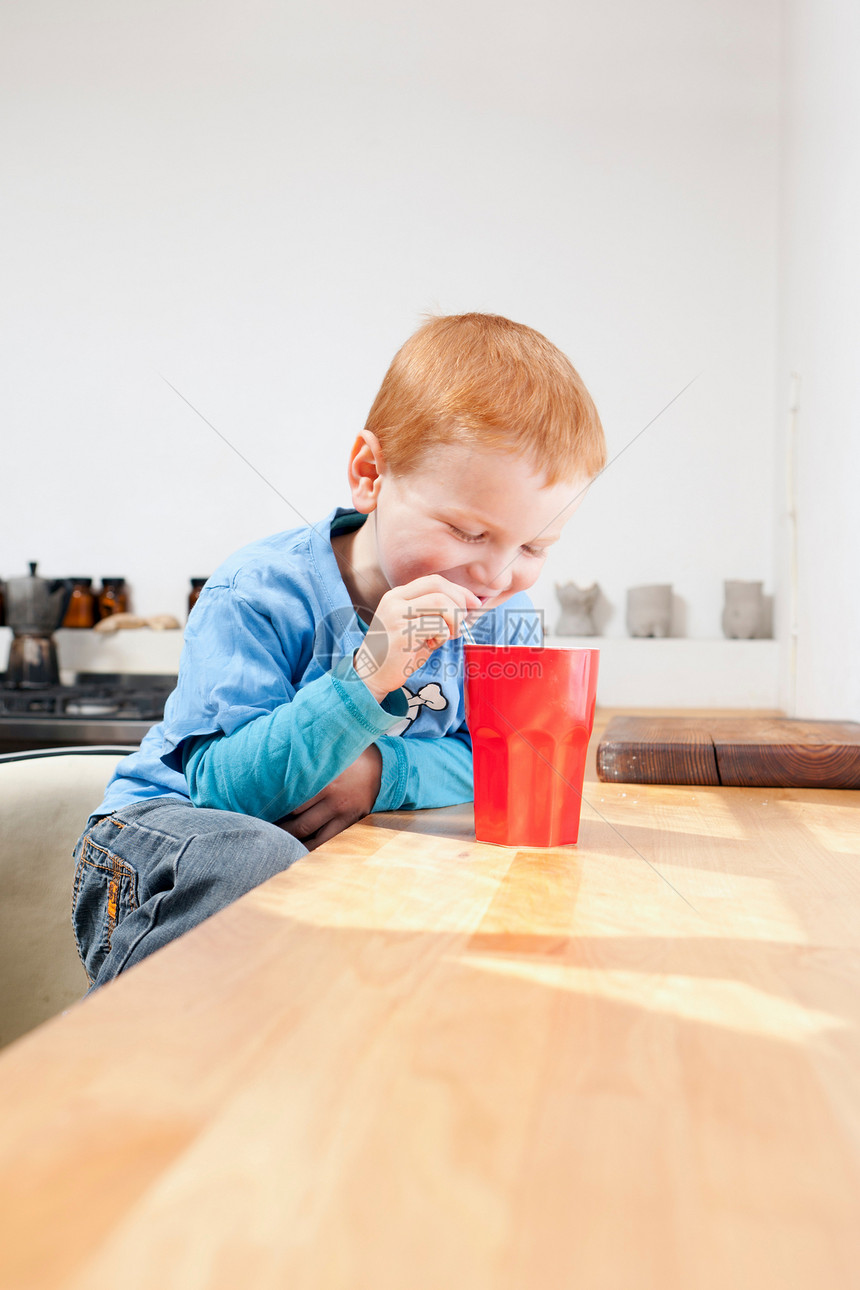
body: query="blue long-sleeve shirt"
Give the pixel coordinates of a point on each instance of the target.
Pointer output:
(277, 762)
(268, 708)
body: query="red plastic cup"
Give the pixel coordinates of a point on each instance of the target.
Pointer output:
(530, 713)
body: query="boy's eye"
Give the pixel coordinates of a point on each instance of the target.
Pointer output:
(535, 552)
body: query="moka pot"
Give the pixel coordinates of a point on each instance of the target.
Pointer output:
(35, 607)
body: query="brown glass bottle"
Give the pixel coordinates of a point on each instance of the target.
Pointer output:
(113, 597)
(197, 585)
(82, 604)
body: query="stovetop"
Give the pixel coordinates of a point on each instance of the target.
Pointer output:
(99, 708)
(93, 695)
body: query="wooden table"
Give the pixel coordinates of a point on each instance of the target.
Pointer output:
(416, 1061)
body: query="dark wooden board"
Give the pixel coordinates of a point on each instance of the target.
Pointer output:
(657, 750)
(767, 752)
(746, 752)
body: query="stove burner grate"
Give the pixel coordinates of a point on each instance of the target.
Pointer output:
(93, 697)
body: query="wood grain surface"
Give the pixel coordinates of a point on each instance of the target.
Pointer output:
(752, 752)
(657, 750)
(418, 1061)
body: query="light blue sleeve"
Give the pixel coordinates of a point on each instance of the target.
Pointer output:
(278, 761)
(420, 773)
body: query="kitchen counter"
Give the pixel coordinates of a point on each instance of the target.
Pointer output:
(140, 649)
(419, 1061)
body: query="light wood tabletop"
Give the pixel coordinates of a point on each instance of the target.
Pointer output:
(422, 1062)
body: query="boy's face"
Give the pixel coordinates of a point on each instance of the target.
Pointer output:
(479, 517)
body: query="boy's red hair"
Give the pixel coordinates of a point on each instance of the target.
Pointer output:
(483, 379)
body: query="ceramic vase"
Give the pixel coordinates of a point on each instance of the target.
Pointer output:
(743, 611)
(576, 606)
(649, 610)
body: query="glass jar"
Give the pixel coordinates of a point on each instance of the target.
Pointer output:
(197, 585)
(81, 611)
(113, 597)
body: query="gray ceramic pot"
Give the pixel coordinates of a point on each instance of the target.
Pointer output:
(576, 606)
(743, 611)
(649, 610)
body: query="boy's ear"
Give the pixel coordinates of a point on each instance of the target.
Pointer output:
(365, 470)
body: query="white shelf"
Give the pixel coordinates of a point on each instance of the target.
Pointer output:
(643, 672)
(634, 672)
(139, 650)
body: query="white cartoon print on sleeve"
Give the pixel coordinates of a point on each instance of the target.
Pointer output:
(429, 696)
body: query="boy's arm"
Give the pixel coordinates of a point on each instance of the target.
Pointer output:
(420, 773)
(392, 774)
(280, 760)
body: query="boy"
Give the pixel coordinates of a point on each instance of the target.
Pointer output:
(321, 677)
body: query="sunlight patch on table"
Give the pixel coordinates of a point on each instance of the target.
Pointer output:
(736, 905)
(838, 830)
(697, 811)
(734, 1005)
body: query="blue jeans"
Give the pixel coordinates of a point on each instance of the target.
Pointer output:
(151, 871)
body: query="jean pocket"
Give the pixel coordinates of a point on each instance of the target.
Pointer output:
(105, 892)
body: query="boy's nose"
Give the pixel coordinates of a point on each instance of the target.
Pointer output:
(495, 582)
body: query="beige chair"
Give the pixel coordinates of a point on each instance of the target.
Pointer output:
(45, 799)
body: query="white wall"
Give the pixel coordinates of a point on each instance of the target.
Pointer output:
(820, 343)
(257, 201)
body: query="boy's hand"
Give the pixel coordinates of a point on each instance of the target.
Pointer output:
(346, 799)
(409, 623)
